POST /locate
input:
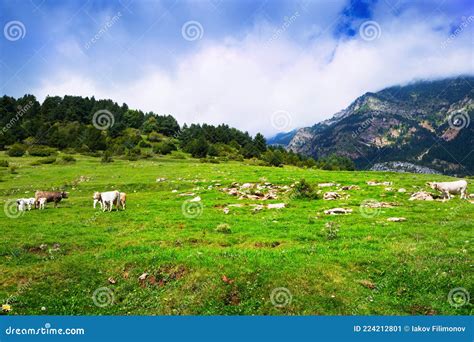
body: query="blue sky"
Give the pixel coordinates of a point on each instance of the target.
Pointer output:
(258, 65)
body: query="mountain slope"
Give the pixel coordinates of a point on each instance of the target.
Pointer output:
(427, 123)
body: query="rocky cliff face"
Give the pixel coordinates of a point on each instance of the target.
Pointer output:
(427, 124)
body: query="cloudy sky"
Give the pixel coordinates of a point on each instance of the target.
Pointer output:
(265, 66)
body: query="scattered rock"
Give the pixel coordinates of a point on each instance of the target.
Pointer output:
(112, 280)
(6, 308)
(374, 183)
(143, 277)
(375, 204)
(159, 180)
(43, 246)
(402, 190)
(276, 206)
(396, 219)
(337, 211)
(196, 199)
(421, 196)
(226, 210)
(350, 187)
(331, 195)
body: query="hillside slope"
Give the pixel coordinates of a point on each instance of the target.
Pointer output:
(426, 123)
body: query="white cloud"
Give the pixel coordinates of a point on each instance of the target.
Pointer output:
(243, 82)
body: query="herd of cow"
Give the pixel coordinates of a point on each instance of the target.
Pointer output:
(106, 200)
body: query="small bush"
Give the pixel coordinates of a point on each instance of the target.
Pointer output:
(178, 155)
(68, 159)
(48, 160)
(41, 151)
(223, 228)
(332, 230)
(13, 169)
(164, 148)
(303, 189)
(155, 137)
(4, 163)
(107, 157)
(16, 150)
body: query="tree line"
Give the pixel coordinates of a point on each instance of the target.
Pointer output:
(67, 124)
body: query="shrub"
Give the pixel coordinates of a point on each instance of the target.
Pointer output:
(41, 151)
(273, 158)
(16, 150)
(165, 147)
(48, 160)
(4, 163)
(223, 228)
(178, 155)
(332, 230)
(155, 137)
(13, 169)
(107, 157)
(303, 189)
(68, 159)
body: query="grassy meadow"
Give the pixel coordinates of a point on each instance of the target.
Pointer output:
(75, 260)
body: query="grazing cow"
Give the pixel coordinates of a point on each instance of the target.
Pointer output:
(51, 196)
(30, 202)
(110, 198)
(123, 199)
(97, 199)
(41, 202)
(21, 204)
(447, 188)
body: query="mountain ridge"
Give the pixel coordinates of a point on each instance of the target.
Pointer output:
(426, 123)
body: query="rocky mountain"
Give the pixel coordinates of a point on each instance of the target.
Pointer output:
(427, 123)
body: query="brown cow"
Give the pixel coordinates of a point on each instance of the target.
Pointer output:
(123, 199)
(51, 196)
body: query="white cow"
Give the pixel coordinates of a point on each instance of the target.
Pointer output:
(42, 202)
(21, 204)
(97, 199)
(30, 202)
(109, 199)
(447, 188)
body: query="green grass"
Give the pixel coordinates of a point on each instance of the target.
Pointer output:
(371, 267)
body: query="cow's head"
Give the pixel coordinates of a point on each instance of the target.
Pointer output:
(64, 194)
(432, 185)
(96, 196)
